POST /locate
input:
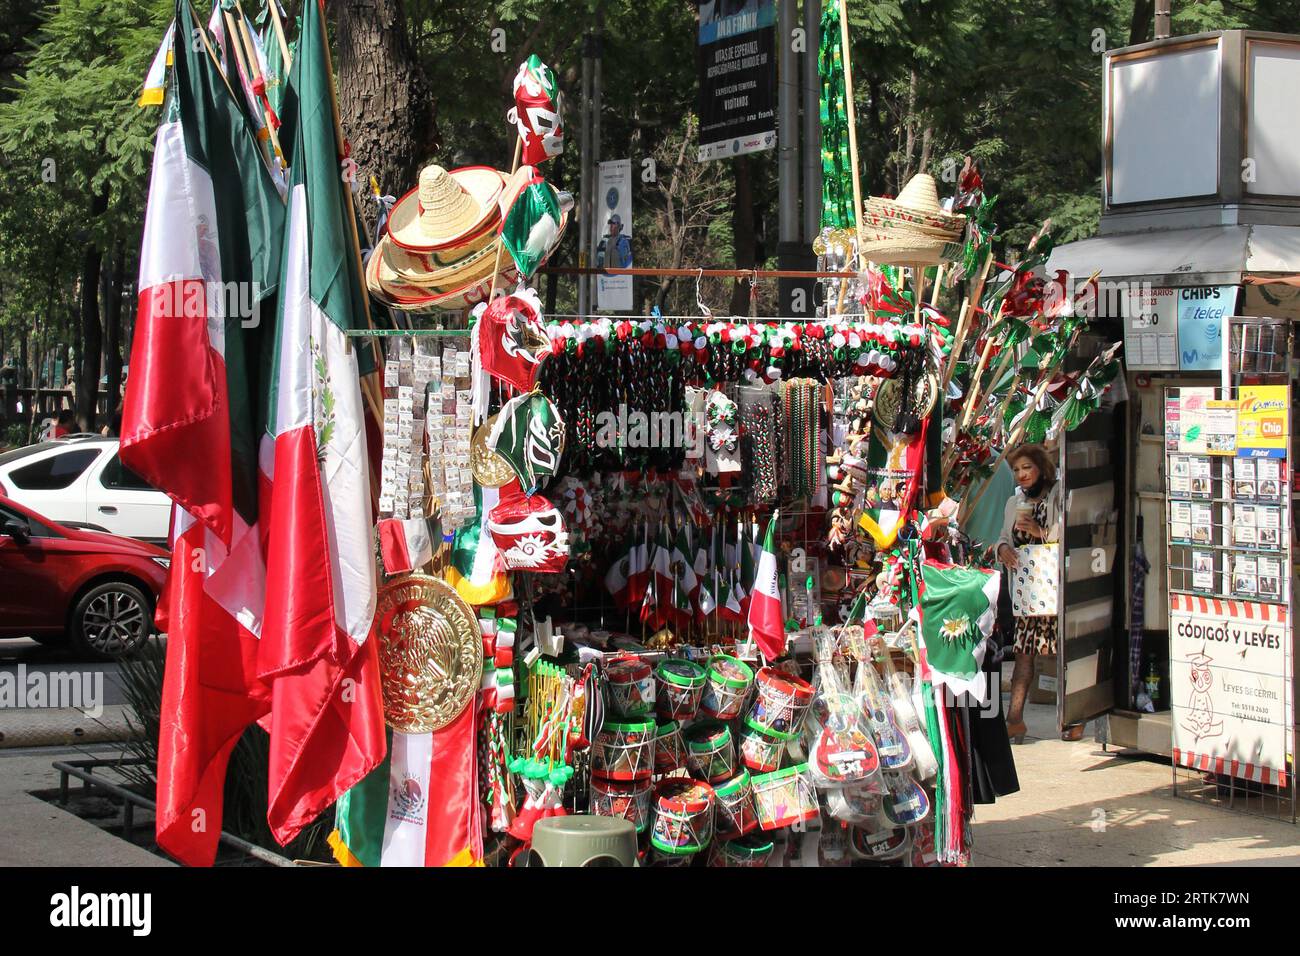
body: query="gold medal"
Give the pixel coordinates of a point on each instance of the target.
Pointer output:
(430, 653)
(490, 469)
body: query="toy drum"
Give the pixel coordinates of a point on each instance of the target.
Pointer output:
(785, 797)
(780, 703)
(710, 752)
(670, 749)
(735, 815)
(683, 817)
(747, 851)
(624, 751)
(726, 688)
(660, 858)
(631, 801)
(759, 752)
(679, 684)
(630, 689)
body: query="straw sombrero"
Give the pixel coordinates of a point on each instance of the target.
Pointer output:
(912, 229)
(917, 206)
(447, 209)
(449, 280)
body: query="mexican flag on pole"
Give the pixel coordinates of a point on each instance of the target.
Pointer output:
(638, 566)
(404, 543)
(731, 609)
(213, 226)
(619, 574)
(766, 620)
(745, 553)
(190, 423)
(327, 723)
(957, 611)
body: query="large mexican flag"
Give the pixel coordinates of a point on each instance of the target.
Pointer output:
(327, 727)
(191, 417)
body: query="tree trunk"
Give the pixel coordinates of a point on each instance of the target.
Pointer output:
(92, 339)
(1139, 30)
(113, 330)
(386, 104)
(742, 233)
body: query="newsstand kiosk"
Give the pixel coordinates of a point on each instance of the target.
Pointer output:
(1178, 583)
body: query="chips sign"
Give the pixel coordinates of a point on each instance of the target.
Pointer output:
(1263, 424)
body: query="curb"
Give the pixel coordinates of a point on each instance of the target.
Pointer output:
(56, 726)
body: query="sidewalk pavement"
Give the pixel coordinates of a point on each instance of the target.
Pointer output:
(62, 726)
(36, 833)
(1080, 806)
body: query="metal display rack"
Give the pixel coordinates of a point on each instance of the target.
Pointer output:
(1228, 535)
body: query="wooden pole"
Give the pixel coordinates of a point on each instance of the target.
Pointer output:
(254, 74)
(973, 392)
(274, 7)
(963, 320)
(496, 270)
(1045, 379)
(846, 57)
(918, 289)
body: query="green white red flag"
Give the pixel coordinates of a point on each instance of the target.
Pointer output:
(327, 726)
(190, 421)
(766, 620)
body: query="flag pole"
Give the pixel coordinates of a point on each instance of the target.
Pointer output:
(274, 7)
(846, 59)
(254, 73)
(496, 270)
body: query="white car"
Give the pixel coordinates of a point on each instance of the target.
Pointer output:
(80, 481)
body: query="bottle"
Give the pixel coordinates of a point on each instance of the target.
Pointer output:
(1152, 682)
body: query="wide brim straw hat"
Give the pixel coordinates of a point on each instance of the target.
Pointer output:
(908, 249)
(438, 271)
(447, 208)
(917, 205)
(459, 287)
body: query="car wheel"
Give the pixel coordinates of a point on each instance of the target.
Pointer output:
(111, 620)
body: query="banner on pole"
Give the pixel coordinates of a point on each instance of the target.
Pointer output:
(737, 57)
(614, 249)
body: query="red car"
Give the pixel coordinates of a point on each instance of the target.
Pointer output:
(57, 583)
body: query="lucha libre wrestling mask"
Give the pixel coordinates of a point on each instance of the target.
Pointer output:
(538, 111)
(529, 534)
(512, 339)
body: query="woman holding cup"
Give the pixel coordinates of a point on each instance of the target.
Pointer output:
(1032, 516)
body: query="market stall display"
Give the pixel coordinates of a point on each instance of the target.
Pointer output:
(702, 573)
(758, 525)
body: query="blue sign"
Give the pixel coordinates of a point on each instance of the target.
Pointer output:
(1203, 313)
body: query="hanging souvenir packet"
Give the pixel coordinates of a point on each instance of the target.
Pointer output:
(899, 688)
(843, 753)
(906, 803)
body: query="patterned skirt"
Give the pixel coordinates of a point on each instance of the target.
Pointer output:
(1036, 635)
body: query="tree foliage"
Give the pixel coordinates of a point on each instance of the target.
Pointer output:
(1017, 83)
